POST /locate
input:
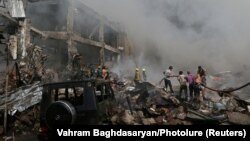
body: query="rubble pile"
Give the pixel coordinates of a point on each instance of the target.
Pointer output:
(137, 103)
(140, 103)
(26, 122)
(25, 79)
(146, 104)
(27, 70)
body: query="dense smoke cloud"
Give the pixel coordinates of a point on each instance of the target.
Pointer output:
(184, 33)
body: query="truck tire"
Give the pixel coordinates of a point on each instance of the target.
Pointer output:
(60, 113)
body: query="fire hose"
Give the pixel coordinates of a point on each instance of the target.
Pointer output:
(226, 91)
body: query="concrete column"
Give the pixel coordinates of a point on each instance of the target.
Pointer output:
(70, 27)
(101, 39)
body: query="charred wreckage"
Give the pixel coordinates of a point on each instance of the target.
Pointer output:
(50, 65)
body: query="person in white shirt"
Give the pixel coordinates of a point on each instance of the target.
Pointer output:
(183, 84)
(168, 74)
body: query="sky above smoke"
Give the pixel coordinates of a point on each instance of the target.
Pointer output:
(184, 33)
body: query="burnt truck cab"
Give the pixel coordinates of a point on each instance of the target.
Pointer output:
(85, 102)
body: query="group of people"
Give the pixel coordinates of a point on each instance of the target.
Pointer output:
(193, 82)
(101, 72)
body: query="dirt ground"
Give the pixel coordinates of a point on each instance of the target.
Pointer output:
(30, 137)
(26, 138)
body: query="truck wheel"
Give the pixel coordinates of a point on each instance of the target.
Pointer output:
(60, 113)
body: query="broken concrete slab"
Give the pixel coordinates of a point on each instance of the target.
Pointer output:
(218, 106)
(159, 120)
(23, 98)
(238, 118)
(175, 122)
(148, 121)
(181, 116)
(114, 119)
(231, 104)
(127, 118)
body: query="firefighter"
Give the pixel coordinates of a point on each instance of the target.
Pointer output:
(137, 75)
(93, 71)
(99, 72)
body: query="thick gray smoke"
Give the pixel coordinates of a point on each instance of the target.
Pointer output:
(184, 33)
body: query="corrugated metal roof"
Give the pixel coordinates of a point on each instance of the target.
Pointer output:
(16, 8)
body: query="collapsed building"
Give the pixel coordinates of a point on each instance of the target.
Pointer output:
(65, 30)
(71, 28)
(48, 41)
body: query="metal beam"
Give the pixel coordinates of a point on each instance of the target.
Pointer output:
(101, 39)
(70, 19)
(37, 31)
(86, 41)
(93, 43)
(56, 35)
(70, 27)
(75, 37)
(112, 49)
